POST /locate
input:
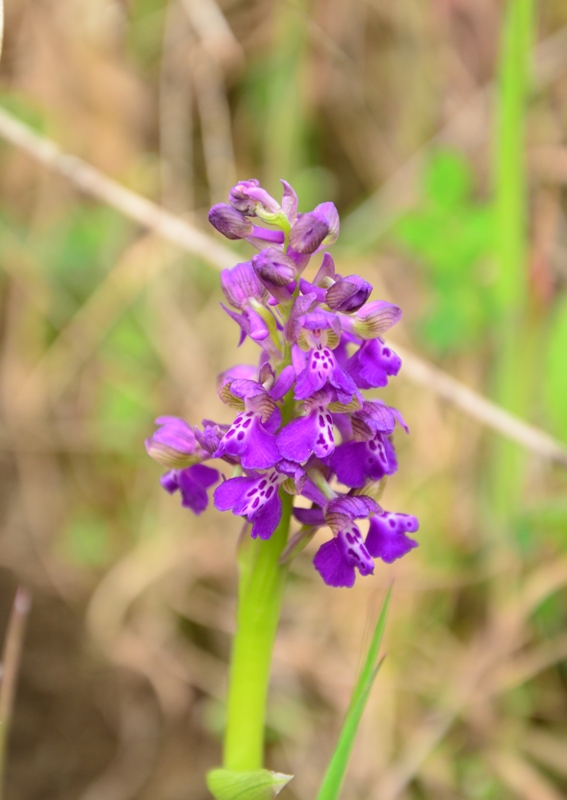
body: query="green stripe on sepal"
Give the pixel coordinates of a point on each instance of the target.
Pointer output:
(333, 780)
(225, 784)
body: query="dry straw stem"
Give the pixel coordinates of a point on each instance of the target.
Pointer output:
(10, 668)
(167, 225)
(494, 662)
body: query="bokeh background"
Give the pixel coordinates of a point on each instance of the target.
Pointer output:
(388, 108)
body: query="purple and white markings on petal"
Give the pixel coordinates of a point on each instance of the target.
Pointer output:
(387, 539)
(357, 462)
(353, 549)
(372, 364)
(255, 498)
(249, 440)
(322, 371)
(312, 434)
(337, 559)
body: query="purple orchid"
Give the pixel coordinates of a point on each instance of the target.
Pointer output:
(386, 538)
(256, 498)
(301, 424)
(192, 483)
(372, 364)
(174, 444)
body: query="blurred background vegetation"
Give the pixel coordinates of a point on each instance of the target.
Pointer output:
(389, 108)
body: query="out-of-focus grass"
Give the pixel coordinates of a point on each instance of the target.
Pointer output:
(104, 328)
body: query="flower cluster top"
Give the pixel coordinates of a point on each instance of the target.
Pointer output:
(302, 425)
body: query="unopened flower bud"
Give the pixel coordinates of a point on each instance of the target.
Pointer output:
(240, 283)
(230, 222)
(329, 214)
(348, 294)
(274, 267)
(249, 198)
(308, 233)
(174, 444)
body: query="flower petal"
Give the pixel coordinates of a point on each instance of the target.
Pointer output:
(387, 539)
(332, 566)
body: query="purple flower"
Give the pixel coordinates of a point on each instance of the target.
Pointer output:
(308, 233)
(192, 483)
(386, 538)
(249, 198)
(321, 372)
(230, 222)
(337, 559)
(304, 436)
(251, 441)
(372, 364)
(277, 272)
(255, 498)
(240, 283)
(174, 444)
(355, 463)
(289, 202)
(348, 294)
(375, 417)
(209, 438)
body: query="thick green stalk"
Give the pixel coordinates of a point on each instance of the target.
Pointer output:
(262, 582)
(260, 594)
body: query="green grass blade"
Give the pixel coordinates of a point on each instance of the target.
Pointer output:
(333, 780)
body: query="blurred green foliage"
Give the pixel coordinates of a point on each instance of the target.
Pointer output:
(450, 235)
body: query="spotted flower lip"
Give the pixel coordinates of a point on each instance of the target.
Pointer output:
(308, 435)
(356, 463)
(322, 371)
(387, 535)
(252, 441)
(372, 364)
(300, 425)
(254, 497)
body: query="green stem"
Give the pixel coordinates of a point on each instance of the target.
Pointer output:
(517, 342)
(260, 594)
(262, 582)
